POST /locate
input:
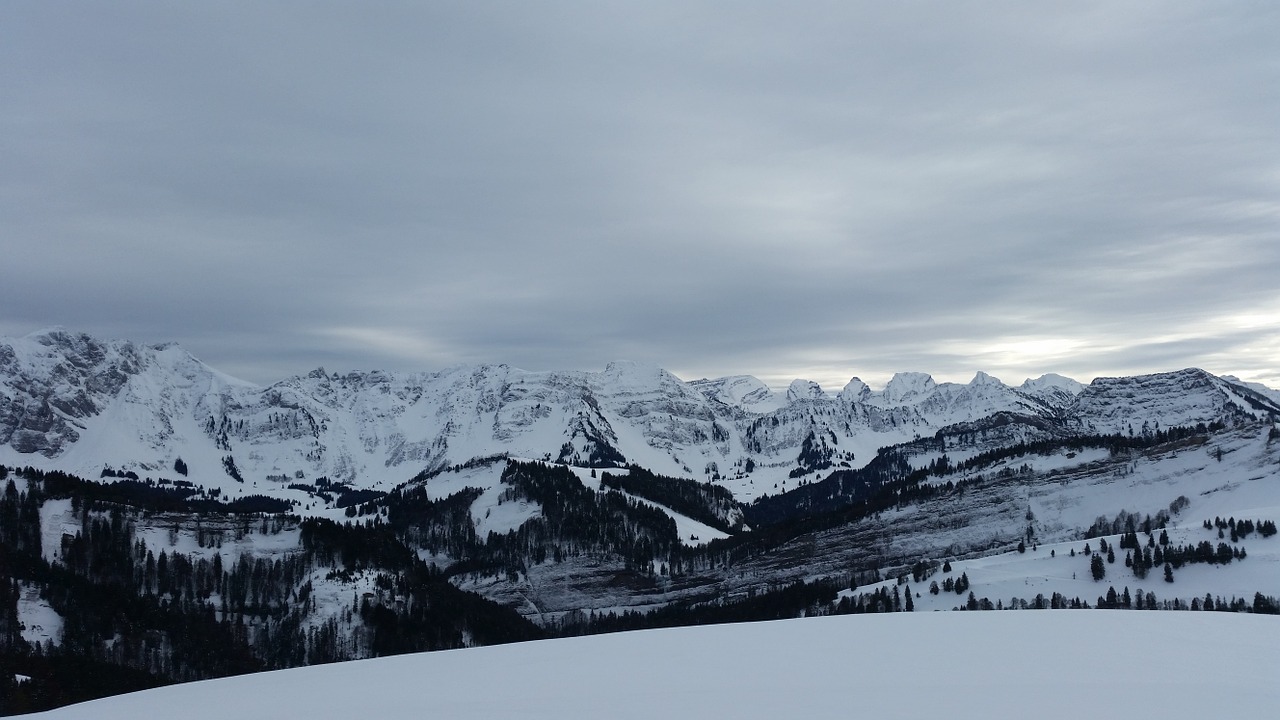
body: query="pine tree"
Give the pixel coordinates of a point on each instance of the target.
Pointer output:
(1098, 568)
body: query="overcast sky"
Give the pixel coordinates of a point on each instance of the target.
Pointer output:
(813, 190)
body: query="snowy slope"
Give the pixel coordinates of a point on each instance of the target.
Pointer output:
(1273, 395)
(1064, 568)
(1235, 473)
(1051, 665)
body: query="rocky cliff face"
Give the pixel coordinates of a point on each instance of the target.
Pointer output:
(57, 388)
(1143, 404)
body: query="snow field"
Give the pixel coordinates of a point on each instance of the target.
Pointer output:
(1046, 665)
(40, 622)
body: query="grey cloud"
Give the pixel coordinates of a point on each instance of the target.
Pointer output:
(824, 189)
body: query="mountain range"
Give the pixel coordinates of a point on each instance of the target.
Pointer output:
(161, 521)
(71, 402)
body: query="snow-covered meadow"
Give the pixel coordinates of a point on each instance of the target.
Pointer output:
(1048, 665)
(1053, 568)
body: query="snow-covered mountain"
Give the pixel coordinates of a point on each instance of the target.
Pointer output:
(1052, 389)
(743, 391)
(1144, 403)
(863, 494)
(72, 402)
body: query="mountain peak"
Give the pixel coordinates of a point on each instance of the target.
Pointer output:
(745, 391)
(804, 390)
(59, 335)
(1052, 380)
(630, 367)
(982, 378)
(908, 385)
(855, 390)
(52, 330)
(634, 372)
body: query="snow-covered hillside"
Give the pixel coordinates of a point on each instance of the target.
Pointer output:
(1054, 665)
(1048, 499)
(1064, 569)
(75, 403)
(506, 515)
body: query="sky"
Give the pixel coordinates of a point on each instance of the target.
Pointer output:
(789, 190)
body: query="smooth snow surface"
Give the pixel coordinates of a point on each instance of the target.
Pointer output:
(40, 622)
(1051, 664)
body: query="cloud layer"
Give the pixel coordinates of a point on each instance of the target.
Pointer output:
(816, 190)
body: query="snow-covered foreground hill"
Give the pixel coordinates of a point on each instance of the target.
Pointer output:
(1045, 665)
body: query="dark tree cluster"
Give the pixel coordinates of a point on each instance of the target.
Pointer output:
(705, 502)
(797, 599)
(133, 618)
(879, 601)
(1127, 523)
(420, 609)
(229, 465)
(922, 570)
(1202, 552)
(148, 494)
(815, 454)
(1242, 528)
(576, 520)
(438, 526)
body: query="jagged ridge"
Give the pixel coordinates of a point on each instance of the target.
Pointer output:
(71, 402)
